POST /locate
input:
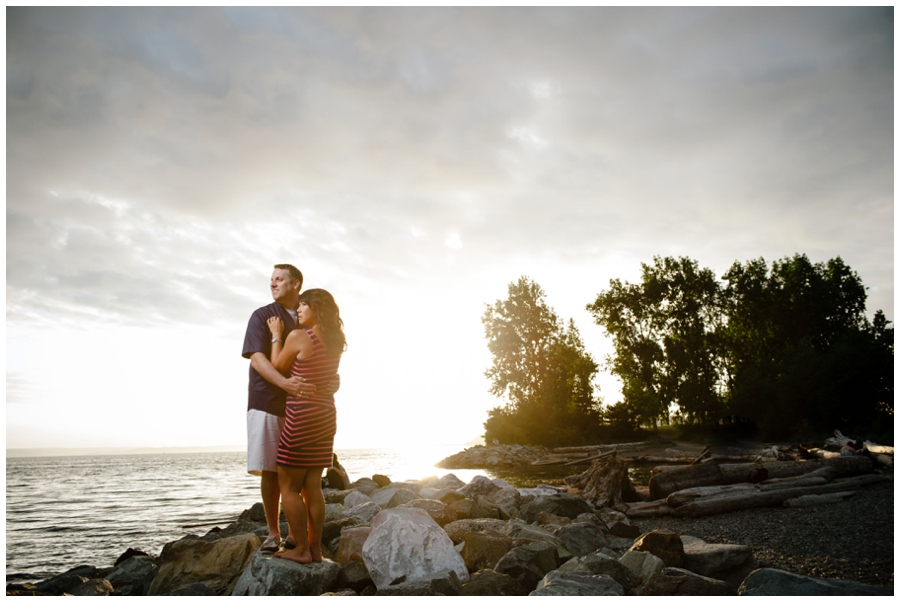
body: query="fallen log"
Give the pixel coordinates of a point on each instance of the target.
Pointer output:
(817, 500)
(648, 509)
(758, 499)
(684, 496)
(666, 480)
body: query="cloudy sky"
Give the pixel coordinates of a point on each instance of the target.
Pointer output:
(413, 162)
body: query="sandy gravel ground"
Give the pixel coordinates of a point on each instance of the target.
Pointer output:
(851, 540)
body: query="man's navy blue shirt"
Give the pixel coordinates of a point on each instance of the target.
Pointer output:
(262, 395)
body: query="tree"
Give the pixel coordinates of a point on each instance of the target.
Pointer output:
(542, 369)
(665, 346)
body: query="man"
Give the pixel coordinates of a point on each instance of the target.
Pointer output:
(268, 391)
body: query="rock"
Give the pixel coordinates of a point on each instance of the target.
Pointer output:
(406, 542)
(336, 496)
(92, 587)
(255, 514)
(363, 513)
(391, 497)
(664, 544)
(520, 529)
(468, 508)
(443, 583)
(451, 496)
(60, 584)
(128, 577)
(355, 576)
(624, 529)
(480, 485)
(129, 553)
(355, 498)
(483, 550)
(560, 504)
(590, 517)
(601, 564)
(448, 481)
(561, 583)
(365, 485)
(774, 582)
(679, 582)
(545, 518)
(642, 565)
(381, 480)
(507, 500)
(581, 538)
(529, 563)
(717, 560)
(218, 564)
(458, 529)
(439, 511)
(194, 589)
(267, 575)
(351, 544)
(343, 592)
(333, 512)
(488, 582)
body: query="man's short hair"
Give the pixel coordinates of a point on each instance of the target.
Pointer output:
(294, 272)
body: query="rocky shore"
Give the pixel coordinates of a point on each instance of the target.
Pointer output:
(486, 537)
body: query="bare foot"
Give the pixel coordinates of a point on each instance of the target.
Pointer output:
(315, 553)
(296, 556)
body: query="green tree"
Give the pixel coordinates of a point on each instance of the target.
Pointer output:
(542, 369)
(666, 351)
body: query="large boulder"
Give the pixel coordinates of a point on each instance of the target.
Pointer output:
(488, 582)
(507, 500)
(92, 587)
(565, 583)
(458, 529)
(642, 565)
(468, 508)
(664, 544)
(581, 538)
(406, 543)
(363, 513)
(679, 582)
(128, 576)
(218, 564)
(560, 504)
(522, 530)
(774, 582)
(443, 583)
(267, 575)
(731, 563)
(601, 564)
(483, 550)
(351, 544)
(480, 485)
(355, 498)
(448, 481)
(529, 563)
(354, 575)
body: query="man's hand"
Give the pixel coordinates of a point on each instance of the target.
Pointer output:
(298, 387)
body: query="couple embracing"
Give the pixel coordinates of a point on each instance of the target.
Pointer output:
(294, 346)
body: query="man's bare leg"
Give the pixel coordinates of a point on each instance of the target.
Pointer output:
(271, 494)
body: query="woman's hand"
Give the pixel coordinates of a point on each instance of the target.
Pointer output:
(276, 326)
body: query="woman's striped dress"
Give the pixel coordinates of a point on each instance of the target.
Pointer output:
(307, 440)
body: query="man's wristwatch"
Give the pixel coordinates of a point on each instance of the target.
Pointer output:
(276, 340)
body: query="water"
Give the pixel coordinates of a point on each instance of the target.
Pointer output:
(65, 511)
(71, 510)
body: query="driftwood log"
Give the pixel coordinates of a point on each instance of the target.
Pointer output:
(605, 483)
(669, 479)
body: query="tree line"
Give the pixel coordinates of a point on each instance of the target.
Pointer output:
(779, 351)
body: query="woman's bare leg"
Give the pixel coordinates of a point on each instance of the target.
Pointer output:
(315, 511)
(291, 482)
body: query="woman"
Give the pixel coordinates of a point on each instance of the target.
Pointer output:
(312, 351)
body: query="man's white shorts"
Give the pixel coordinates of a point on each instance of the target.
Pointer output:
(263, 433)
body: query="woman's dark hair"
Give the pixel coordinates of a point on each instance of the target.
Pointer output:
(328, 316)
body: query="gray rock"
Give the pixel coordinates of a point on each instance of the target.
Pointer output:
(562, 583)
(59, 584)
(624, 530)
(267, 575)
(469, 508)
(217, 564)
(92, 587)
(363, 513)
(480, 485)
(355, 498)
(522, 530)
(128, 576)
(488, 582)
(590, 517)
(642, 565)
(507, 500)
(774, 582)
(354, 575)
(664, 544)
(679, 582)
(351, 543)
(728, 562)
(443, 583)
(483, 550)
(458, 529)
(365, 485)
(393, 496)
(601, 564)
(448, 481)
(343, 592)
(568, 505)
(529, 563)
(407, 543)
(194, 589)
(333, 512)
(581, 538)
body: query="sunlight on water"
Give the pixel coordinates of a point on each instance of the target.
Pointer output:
(402, 463)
